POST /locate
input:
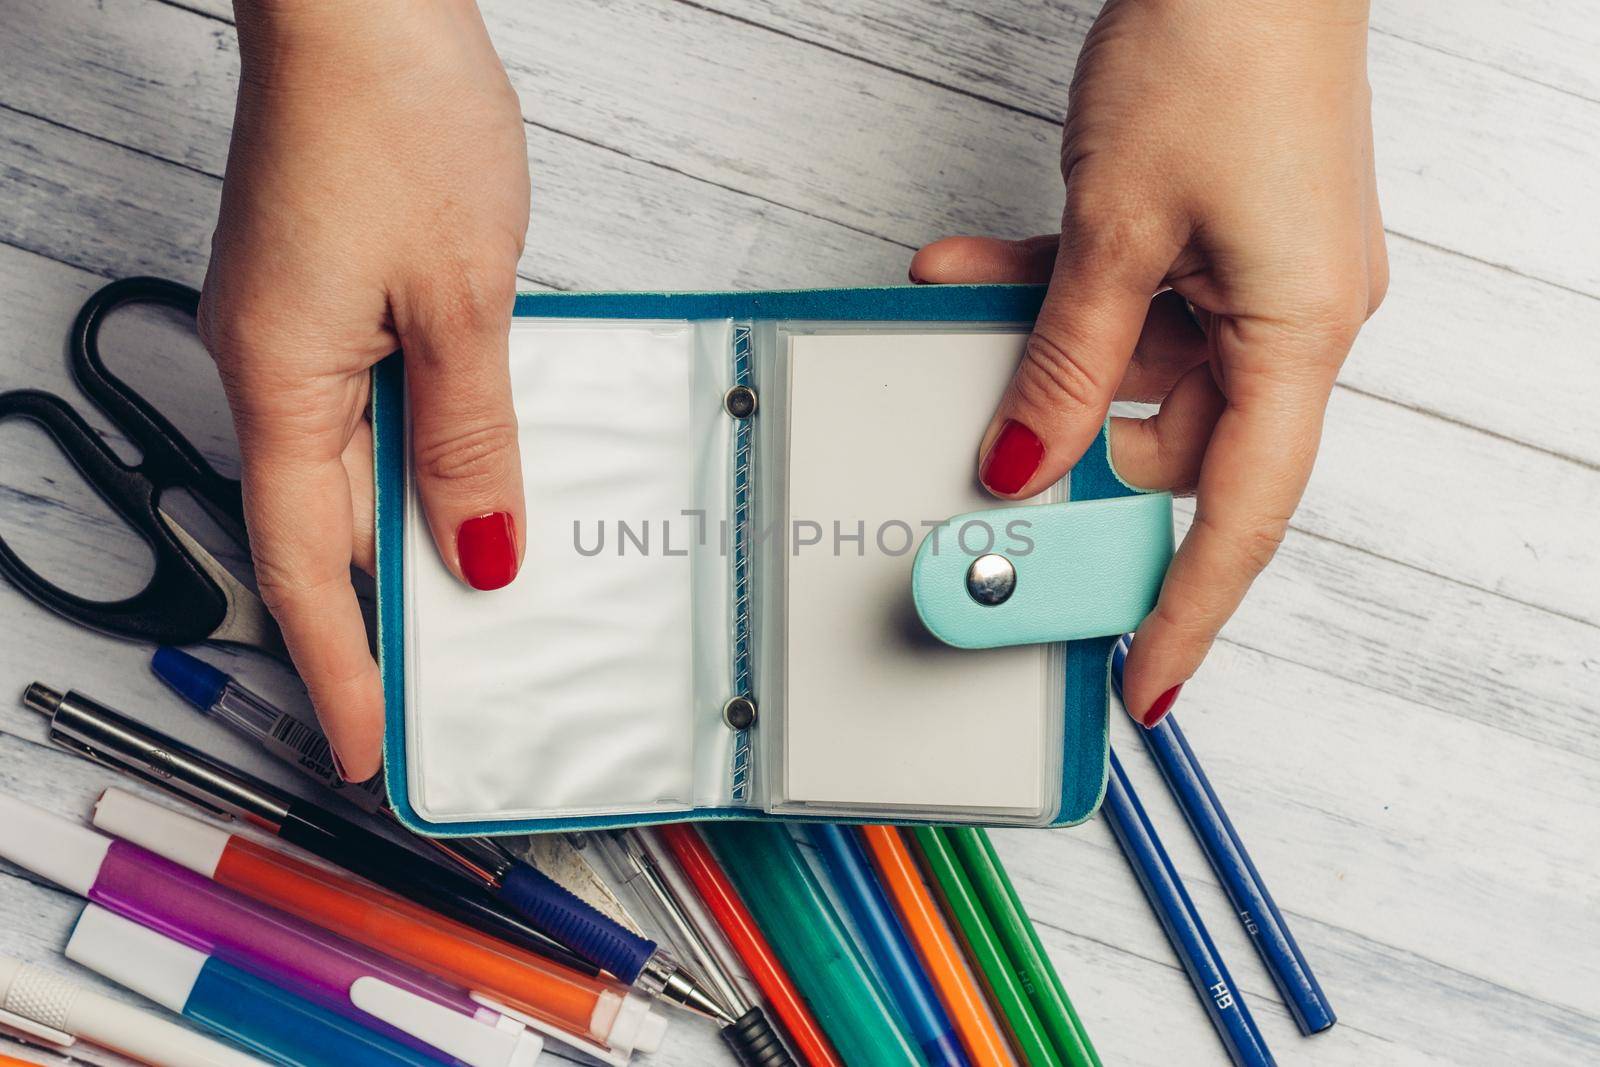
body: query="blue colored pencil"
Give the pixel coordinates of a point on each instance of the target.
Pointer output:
(1251, 901)
(1199, 955)
(887, 943)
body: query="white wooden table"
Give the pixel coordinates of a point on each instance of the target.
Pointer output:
(1402, 718)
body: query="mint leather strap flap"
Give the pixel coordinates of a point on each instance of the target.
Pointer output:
(1043, 572)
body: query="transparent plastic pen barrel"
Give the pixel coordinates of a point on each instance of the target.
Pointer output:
(286, 737)
(292, 741)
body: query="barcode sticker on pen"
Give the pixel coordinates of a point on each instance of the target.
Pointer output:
(303, 744)
(309, 746)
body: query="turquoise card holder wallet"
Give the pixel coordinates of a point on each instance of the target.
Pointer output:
(760, 579)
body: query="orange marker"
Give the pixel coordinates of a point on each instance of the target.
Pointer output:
(958, 991)
(593, 1010)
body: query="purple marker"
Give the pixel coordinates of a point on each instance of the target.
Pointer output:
(382, 994)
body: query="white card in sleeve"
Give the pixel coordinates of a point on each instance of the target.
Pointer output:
(884, 430)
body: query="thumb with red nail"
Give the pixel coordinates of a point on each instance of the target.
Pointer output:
(1220, 248)
(376, 198)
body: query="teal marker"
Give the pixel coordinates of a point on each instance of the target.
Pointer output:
(779, 888)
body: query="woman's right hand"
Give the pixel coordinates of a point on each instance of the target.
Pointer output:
(376, 198)
(1222, 149)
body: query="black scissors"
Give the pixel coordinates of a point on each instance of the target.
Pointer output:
(191, 597)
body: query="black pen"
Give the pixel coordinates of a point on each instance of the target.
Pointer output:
(97, 732)
(529, 893)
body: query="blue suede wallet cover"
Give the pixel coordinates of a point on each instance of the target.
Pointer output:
(1087, 660)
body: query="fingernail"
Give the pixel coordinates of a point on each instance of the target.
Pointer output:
(487, 548)
(1159, 709)
(1012, 459)
(338, 764)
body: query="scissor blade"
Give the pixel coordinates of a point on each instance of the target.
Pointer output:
(247, 620)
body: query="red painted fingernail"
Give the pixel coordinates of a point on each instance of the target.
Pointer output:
(1159, 709)
(487, 548)
(1012, 459)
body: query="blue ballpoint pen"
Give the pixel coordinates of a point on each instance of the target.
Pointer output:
(1234, 868)
(546, 905)
(1184, 928)
(887, 943)
(219, 696)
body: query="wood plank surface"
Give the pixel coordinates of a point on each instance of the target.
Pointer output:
(1402, 718)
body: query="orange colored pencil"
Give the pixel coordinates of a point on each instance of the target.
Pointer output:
(12, 1061)
(969, 1012)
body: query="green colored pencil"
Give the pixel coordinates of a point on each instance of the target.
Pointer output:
(966, 914)
(981, 864)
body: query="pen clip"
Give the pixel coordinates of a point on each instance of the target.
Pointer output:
(94, 755)
(603, 1053)
(461, 1038)
(30, 1030)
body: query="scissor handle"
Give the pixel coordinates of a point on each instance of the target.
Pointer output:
(169, 459)
(180, 605)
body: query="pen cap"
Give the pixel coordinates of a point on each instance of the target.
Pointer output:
(185, 841)
(637, 1028)
(195, 680)
(59, 849)
(48, 1007)
(396, 928)
(35, 1003)
(9, 969)
(167, 972)
(493, 1041)
(134, 957)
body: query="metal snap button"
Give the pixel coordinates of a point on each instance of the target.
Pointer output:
(739, 713)
(740, 401)
(991, 579)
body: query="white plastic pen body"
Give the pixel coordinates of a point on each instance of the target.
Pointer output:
(47, 1008)
(282, 949)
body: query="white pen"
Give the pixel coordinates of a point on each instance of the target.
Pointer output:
(44, 1007)
(315, 963)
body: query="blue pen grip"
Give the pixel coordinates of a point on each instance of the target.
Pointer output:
(555, 911)
(282, 1028)
(1181, 921)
